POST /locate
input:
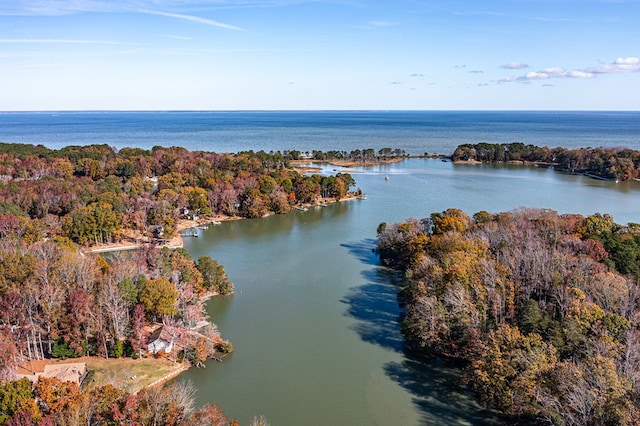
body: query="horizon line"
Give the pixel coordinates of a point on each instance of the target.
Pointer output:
(57, 111)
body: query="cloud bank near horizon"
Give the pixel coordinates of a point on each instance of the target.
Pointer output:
(620, 65)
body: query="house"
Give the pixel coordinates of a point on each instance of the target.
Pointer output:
(67, 372)
(160, 340)
(73, 372)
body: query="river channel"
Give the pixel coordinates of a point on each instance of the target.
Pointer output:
(314, 320)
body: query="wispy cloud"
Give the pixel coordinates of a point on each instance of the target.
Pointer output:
(192, 18)
(197, 51)
(59, 41)
(514, 65)
(564, 19)
(59, 7)
(374, 25)
(480, 13)
(68, 7)
(176, 37)
(383, 23)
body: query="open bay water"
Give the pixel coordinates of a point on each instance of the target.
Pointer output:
(315, 320)
(417, 132)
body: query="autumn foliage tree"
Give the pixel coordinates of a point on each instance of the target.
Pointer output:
(608, 163)
(95, 195)
(51, 402)
(61, 303)
(543, 307)
(214, 277)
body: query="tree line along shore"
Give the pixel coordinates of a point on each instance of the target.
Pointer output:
(542, 310)
(615, 164)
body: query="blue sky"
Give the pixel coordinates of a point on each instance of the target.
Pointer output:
(319, 54)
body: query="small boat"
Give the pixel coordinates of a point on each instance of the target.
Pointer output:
(215, 222)
(386, 178)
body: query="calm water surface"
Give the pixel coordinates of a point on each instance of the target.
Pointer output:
(436, 132)
(314, 320)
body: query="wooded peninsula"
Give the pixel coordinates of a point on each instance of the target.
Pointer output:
(543, 309)
(616, 164)
(61, 300)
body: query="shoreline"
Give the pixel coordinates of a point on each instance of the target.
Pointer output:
(177, 241)
(301, 166)
(553, 166)
(128, 374)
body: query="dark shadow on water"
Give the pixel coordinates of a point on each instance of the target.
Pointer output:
(364, 251)
(434, 385)
(375, 304)
(375, 307)
(438, 392)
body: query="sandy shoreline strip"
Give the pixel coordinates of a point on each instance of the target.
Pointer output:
(183, 224)
(174, 242)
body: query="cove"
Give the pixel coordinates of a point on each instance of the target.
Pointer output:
(314, 321)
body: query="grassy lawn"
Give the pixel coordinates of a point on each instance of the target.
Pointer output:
(127, 374)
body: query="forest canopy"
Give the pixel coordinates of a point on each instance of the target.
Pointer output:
(617, 164)
(542, 307)
(95, 194)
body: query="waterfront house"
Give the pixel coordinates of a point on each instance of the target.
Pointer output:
(68, 372)
(160, 340)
